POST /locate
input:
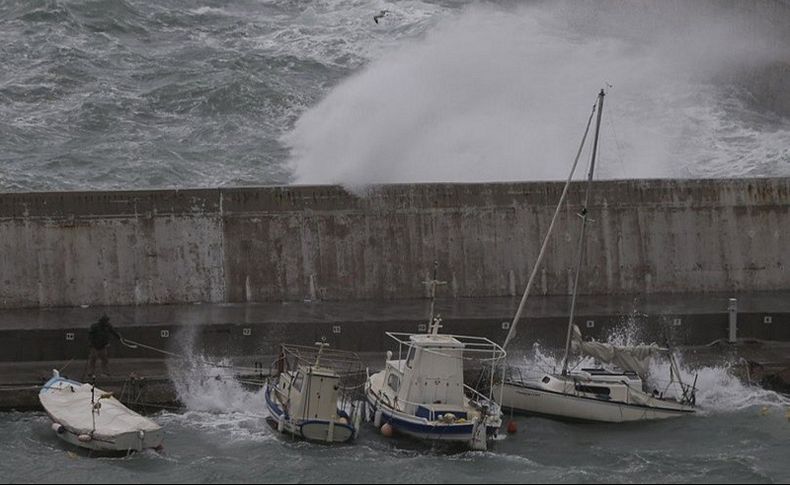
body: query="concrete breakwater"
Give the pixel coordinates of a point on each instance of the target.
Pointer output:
(234, 272)
(323, 243)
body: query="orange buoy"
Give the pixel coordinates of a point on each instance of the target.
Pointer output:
(512, 427)
(386, 430)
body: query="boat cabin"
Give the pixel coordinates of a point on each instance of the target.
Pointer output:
(602, 384)
(429, 381)
(309, 392)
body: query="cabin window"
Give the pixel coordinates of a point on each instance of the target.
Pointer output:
(410, 357)
(601, 391)
(546, 380)
(298, 381)
(393, 382)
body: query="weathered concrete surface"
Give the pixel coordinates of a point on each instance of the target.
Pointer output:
(64, 249)
(252, 330)
(296, 243)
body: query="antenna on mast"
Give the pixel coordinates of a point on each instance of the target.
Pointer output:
(321, 345)
(434, 322)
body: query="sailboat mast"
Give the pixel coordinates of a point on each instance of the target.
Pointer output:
(433, 321)
(433, 293)
(512, 332)
(582, 234)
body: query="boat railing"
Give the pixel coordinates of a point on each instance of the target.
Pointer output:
(519, 375)
(340, 361)
(479, 397)
(484, 350)
(282, 394)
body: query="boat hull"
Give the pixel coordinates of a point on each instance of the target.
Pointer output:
(421, 428)
(117, 429)
(117, 444)
(526, 399)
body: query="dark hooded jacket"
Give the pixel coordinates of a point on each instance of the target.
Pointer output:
(99, 333)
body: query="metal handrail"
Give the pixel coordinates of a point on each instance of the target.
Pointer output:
(479, 345)
(480, 395)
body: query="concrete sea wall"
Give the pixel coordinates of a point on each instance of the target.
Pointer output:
(295, 243)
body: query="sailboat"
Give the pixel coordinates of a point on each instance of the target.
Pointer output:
(422, 393)
(310, 395)
(614, 390)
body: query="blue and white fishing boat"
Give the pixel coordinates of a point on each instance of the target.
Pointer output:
(422, 392)
(310, 396)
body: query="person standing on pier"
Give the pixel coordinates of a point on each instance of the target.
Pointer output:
(99, 336)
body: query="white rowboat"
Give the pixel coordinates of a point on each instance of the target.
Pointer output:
(90, 418)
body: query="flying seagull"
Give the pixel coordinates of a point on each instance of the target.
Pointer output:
(380, 15)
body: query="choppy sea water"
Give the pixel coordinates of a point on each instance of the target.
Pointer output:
(744, 446)
(119, 94)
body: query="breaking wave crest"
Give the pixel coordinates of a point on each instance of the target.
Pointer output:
(214, 399)
(499, 92)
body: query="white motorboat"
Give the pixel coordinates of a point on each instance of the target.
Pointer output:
(422, 392)
(85, 416)
(310, 396)
(616, 390)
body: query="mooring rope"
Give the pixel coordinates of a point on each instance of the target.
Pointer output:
(136, 345)
(20, 388)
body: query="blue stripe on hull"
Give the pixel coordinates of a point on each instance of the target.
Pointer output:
(452, 432)
(274, 409)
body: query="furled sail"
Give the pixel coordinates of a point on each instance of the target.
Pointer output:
(635, 358)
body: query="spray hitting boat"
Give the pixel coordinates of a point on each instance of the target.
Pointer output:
(311, 394)
(85, 416)
(422, 392)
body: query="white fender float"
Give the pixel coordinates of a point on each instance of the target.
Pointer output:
(377, 419)
(478, 442)
(281, 423)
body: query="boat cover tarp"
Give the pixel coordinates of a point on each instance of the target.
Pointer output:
(632, 358)
(69, 404)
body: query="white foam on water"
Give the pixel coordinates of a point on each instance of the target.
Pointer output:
(719, 389)
(216, 402)
(214, 399)
(209, 10)
(233, 426)
(500, 93)
(202, 385)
